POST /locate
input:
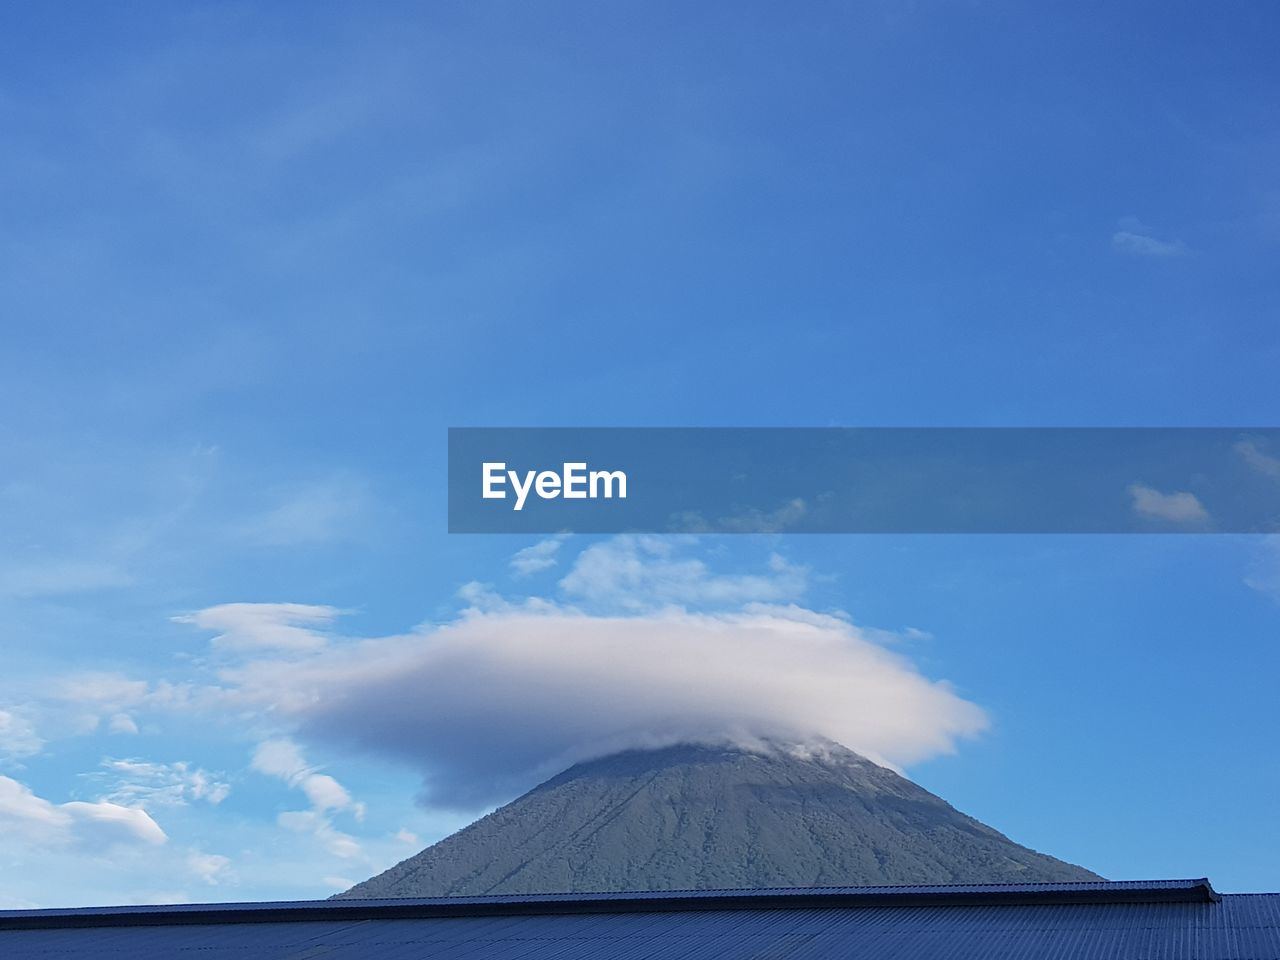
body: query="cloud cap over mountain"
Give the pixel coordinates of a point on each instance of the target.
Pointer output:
(488, 704)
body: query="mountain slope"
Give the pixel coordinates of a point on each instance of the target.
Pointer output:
(693, 817)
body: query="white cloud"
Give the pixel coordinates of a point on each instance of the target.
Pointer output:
(1135, 244)
(1252, 454)
(646, 572)
(18, 805)
(541, 556)
(1180, 507)
(777, 521)
(484, 705)
(745, 521)
(1136, 239)
(135, 782)
(122, 723)
(212, 868)
(321, 827)
(101, 689)
(1265, 575)
(35, 819)
(325, 793)
(265, 626)
(481, 596)
(86, 703)
(406, 836)
(112, 822)
(18, 736)
(283, 759)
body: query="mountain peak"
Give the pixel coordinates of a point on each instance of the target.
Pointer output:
(706, 817)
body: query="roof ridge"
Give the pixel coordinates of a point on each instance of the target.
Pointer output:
(996, 894)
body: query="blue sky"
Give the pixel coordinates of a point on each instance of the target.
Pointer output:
(257, 259)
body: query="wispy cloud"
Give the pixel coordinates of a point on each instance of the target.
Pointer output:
(329, 511)
(142, 783)
(36, 578)
(1265, 574)
(264, 626)
(1138, 245)
(744, 521)
(639, 573)
(90, 702)
(122, 723)
(212, 868)
(1180, 507)
(283, 759)
(1135, 239)
(1258, 459)
(541, 556)
(18, 737)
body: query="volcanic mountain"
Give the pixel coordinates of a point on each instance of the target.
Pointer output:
(696, 817)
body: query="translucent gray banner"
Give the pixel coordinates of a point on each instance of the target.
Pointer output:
(864, 480)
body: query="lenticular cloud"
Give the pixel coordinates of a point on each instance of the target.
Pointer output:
(488, 704)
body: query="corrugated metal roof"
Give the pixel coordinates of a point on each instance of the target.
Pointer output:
(1177, 920)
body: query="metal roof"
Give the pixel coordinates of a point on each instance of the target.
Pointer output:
(1175, 919)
